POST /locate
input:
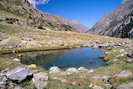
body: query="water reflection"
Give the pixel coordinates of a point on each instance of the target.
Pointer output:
(85, 57)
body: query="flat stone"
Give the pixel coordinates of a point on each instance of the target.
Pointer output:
(126, 86)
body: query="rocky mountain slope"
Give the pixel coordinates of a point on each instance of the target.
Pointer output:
(119, 23)
(79, 27)
(21, 12)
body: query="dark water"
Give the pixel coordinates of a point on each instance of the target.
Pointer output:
(81, 57)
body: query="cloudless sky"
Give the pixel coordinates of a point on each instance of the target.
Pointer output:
(87, 12)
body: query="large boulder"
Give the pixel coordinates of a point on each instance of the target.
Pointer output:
(18, 74)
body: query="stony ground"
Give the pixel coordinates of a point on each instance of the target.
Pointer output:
(118, 74)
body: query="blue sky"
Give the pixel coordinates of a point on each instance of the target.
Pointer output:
(87, 12)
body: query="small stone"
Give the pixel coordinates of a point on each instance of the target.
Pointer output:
(91, 70)
(76, 84)
(54, 69)
(40, 76)
(32, 66)
(126, 86)
(72, 70)
(40, 80)
(82, 69)
(130, 60)
(2, 85)
(104, 79)
(41, 84)
(97, 87)
(130, 54)
(115, 60)
(16, 59)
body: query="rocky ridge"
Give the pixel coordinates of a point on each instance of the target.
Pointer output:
(119, 23)
(22, 13)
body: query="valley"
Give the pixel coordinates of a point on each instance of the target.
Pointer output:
(32, 44)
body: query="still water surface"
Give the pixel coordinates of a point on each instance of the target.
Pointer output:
(79, 57)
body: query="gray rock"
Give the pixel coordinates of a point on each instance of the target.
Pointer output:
(41, 84)
(73, 70)
(130, 60)
(18, 74)
(130, 54)
(124, 74)
(126, 86)
(54, 70)
(97, 87)
(40, 80)
(2, 85)
(3, 80)
(40, 76)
